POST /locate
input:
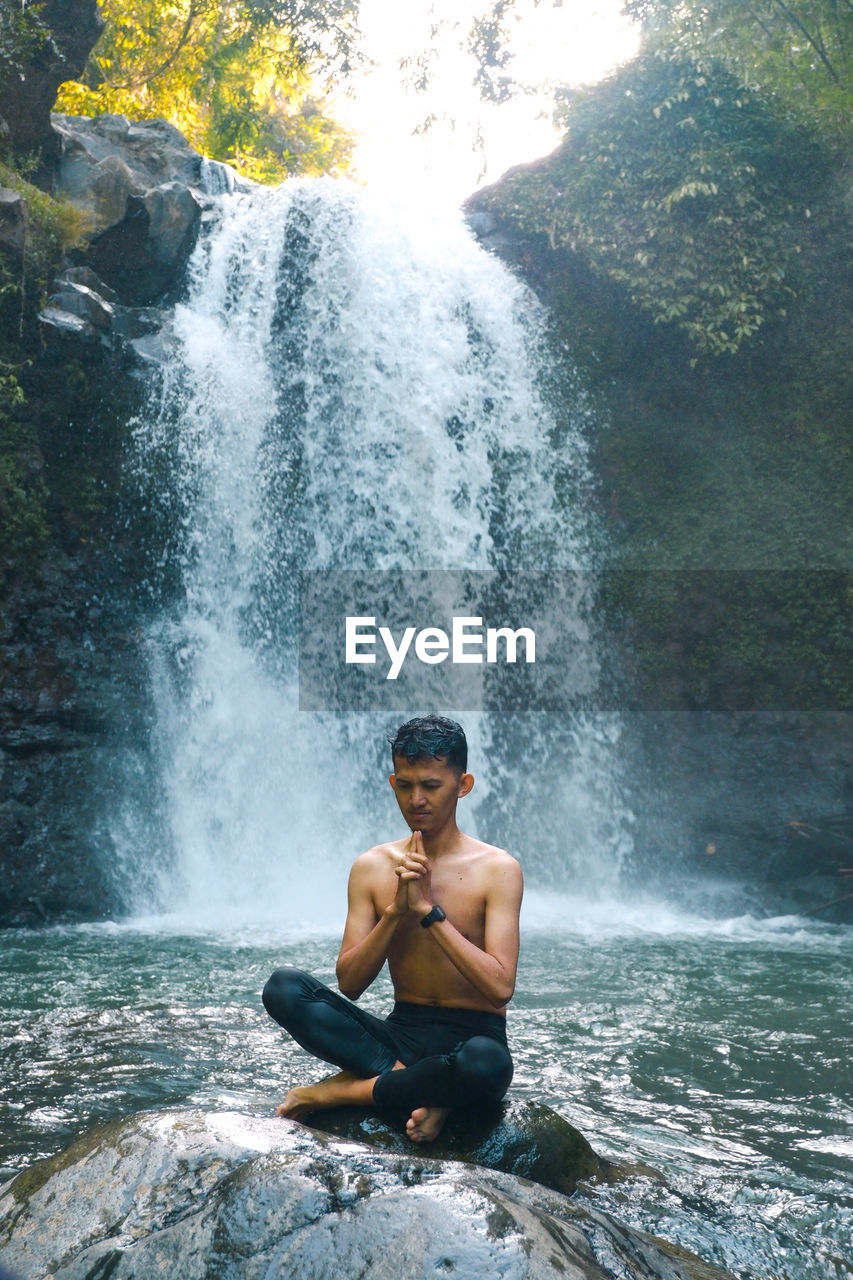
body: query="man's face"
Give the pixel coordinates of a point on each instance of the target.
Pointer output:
(427, 791)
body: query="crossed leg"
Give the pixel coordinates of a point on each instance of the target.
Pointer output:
(423, 1125)
(334, 1091)
(340, 1033)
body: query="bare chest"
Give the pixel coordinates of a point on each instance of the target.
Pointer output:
(462, 896)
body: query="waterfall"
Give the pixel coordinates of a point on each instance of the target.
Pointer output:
(348, 386)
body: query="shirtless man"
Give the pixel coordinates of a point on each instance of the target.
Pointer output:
(442, 909)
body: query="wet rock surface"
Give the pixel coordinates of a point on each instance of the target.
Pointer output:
(104, 159)
(73, 676)
(724, 784)
(73, 699)
(527, 1139)
(13, 220)
(198, 1194)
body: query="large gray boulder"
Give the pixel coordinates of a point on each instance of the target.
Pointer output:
(144, 189)
(142, 186)
(198, 1195)
(106, 158)
(145, 192)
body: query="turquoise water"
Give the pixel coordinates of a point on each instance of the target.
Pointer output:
(717, 1054)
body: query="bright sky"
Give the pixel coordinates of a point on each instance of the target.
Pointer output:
(566, 42)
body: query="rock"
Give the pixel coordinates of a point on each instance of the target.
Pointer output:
(145, 189)
(524, 1138)
(196, 1195)
(74, 693)
(13, 219)
(86, 276)
(109, 188)
(82, 301)
(106, 159)
(55, 39)
(680, 457)
(488, 230)
(810, 871)
(143, 257)
(107, 152)
(82, 306)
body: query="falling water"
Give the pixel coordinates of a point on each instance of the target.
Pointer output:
(349, 386)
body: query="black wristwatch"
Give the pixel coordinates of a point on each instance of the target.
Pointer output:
(432, 916)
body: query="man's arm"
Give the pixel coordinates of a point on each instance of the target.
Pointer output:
(491, 969)
(367, 935)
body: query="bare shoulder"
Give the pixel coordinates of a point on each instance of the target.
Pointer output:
(378, 859)
(490, 853)
(499, 864)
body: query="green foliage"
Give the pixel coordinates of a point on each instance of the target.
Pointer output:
(737, 641)
(489, 45)
(801, 50)
(746, 462)
(236, 79)
(22, 37)
(23, 527)
(689, 192)
(51, 228)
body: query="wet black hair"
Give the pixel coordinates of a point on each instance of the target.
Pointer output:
(428, 737)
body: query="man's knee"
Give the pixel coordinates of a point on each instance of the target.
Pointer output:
(284, 994)
(484, 1068)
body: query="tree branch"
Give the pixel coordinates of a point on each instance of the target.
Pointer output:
(815, 42)
(195, 9)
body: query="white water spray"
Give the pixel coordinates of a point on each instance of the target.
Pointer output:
(349, 387)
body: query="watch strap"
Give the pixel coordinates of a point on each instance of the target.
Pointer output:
(432, 916)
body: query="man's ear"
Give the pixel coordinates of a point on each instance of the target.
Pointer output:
(391, 777)
(466, 783)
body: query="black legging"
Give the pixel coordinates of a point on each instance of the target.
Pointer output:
(452, 1057)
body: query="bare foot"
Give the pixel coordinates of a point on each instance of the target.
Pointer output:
(296, 1105)
(426, 1123)
(334, 1091)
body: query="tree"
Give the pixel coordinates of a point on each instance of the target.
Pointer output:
(682, 187)
(238, 79)
(800, 49)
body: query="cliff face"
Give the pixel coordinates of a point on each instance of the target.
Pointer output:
(73, 540)
(80, 326)
(724, 486)
(43, 48)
